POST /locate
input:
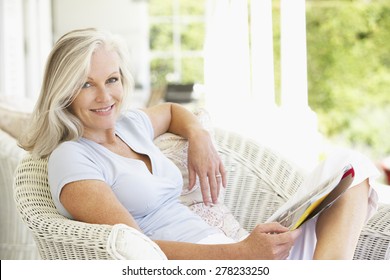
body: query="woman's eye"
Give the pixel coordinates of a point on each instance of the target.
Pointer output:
(87, 85)
(112, 80)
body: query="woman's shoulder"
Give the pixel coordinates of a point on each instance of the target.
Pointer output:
(69, 146)
(134, 115)
(136, 120)
(69, 149)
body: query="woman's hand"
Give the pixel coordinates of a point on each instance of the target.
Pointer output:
(204, 161)
(270, 241)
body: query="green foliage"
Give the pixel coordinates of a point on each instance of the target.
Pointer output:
(161, 37)
(192, 36)
(160, 7)
(160, 68)
(349, 71)
(192, 68)
(192, 7)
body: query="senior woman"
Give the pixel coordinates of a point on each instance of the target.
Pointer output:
(104, 168)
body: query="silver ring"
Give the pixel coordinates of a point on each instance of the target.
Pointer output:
(218, 176)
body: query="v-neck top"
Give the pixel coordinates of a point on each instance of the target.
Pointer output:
(152, 198)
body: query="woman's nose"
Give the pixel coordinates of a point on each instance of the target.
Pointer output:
(103, 94)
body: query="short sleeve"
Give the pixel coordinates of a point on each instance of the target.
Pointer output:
(139, 119)
(70, 162)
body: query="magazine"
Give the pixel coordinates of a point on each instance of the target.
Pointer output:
(318, 192)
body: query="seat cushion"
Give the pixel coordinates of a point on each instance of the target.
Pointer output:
(15, 115)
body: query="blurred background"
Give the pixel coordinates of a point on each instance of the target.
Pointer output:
(304, 77)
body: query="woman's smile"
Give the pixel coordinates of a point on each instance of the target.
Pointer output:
(104, 111)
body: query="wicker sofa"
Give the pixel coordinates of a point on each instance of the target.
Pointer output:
(259, 181)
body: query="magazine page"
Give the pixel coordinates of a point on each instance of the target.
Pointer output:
(314, 194)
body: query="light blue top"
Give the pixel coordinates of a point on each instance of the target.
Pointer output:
(151, 198)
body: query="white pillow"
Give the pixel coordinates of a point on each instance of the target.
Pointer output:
(127, 243)
(218, 215)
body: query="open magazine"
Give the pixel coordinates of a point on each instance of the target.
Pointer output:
(320, 189)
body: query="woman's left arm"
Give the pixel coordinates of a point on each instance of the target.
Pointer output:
(203, 159)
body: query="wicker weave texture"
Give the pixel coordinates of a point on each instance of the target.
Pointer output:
(259, 181)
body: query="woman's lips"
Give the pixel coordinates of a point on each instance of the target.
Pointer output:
(103, 111)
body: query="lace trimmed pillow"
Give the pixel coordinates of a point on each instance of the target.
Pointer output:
(218, 215)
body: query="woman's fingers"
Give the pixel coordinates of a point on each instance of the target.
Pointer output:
(210, 187)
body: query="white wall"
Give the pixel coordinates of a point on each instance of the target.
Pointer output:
(129, 18)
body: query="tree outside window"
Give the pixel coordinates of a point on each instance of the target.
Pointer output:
(177, 30)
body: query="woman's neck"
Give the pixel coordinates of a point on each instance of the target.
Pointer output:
(105, 137)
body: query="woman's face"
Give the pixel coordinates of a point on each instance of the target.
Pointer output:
(97, 104)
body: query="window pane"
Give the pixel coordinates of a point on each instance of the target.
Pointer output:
(161, 37)
(192, 70)
(192, 36)
(192, 7)
(160, 7)
(159, 69)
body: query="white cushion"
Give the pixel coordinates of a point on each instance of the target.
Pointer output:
(127, 243)
(15, 115)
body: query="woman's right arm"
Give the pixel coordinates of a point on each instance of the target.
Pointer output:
(266, 242)
(92, 201)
